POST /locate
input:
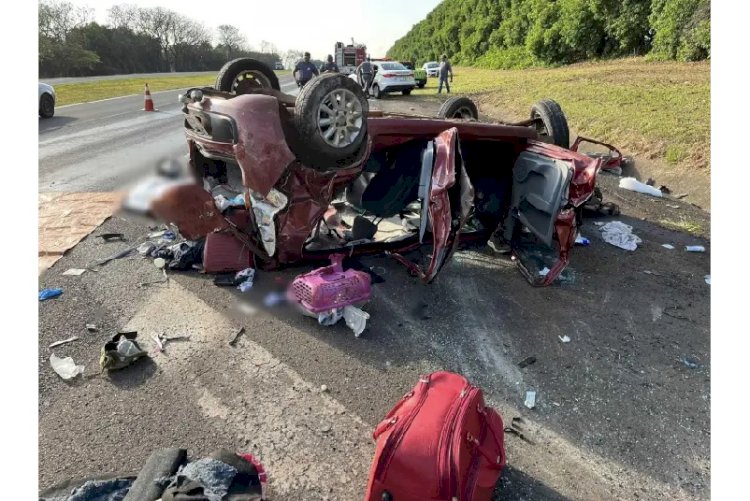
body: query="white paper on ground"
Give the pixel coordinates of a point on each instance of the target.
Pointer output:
(75, 272)
(66, 368)
(632, 184)
(356, 319)
(620, 235)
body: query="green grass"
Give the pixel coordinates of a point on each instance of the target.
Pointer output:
(85, 92)
(660, 110)
(683, 225)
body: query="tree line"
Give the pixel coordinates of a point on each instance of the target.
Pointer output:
(136, 40)
(523, 33)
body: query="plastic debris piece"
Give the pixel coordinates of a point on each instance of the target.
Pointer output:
(632, 184)
(112, 236)
(274, 299)
(75, 272)
(526, 362)
(66, 368)
(64, 341)
(695, 248)
(169, 235)
(620, 235)
(121, 351)
(530, 401)
(146, 248)
(564, 339)
(160, 262)
(235, 336)
(691, 363)
(157, 234)
(245, 278)
(581, 240)
(159, 343)
(49, 294)
(668, 246)
(707, 278)
(356, 319)
(323, 388)
(544, 272)
(91, 327)
(330, 317)
(599, 223)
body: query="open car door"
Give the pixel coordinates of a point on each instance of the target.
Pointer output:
(447, 200)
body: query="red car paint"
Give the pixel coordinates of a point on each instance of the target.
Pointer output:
(262, 151)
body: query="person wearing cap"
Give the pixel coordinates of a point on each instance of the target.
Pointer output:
(445, 69)
(305, 71)
(329, 66)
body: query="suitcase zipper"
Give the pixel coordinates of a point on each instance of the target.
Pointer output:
(445, 467)
(393, 441)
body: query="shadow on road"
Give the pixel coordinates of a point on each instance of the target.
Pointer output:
(54, 123)
(517, 485)
(134, 376)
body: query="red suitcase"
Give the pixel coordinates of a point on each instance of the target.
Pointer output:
(439, 442)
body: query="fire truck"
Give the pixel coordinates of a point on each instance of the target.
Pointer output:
(349, 57)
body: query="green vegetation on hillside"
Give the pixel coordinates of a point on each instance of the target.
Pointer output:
(526, 33)
(655, 110)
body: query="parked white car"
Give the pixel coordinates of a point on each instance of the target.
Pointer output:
(390, 76)
(47, 99)
(432, 68)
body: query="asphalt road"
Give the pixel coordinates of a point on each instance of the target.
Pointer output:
(619, 415)
(107, 145)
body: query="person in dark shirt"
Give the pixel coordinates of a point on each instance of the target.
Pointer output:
(329, 66)
(445, 70)
(366, 75)
(305, 71)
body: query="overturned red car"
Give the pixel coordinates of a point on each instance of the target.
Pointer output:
(321, 174)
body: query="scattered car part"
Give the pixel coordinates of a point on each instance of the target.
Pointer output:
(121, 351)
(526, 362)
(613, 160)
(530, 400)
(74, 272)
(64, 341)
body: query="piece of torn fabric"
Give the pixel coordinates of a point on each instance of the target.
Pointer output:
(215, 476)
(66, 218)
(620, 235)
(98, 490)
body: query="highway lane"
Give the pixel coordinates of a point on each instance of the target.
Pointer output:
(108, 145)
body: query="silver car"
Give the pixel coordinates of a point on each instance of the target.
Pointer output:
(47, 99)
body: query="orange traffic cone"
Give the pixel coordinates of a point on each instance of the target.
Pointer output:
(149, 104)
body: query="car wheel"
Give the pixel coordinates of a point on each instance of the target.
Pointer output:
(376, 92)
(245, 74)
(551, 121)
(459, 107)
(46, 106)
(331, 118)
(406, 92)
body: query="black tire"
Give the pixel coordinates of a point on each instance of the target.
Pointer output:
(376, 92)
(459, 107)
(406, 92)
(262, 76)
(554, 123)
(46, 106)
(309, 114)
(421, 85)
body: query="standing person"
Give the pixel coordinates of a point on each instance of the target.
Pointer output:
(365, 75)
(445, 69)
(305, 70)
(329, 66)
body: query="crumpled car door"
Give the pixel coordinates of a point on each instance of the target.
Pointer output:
(447, 201)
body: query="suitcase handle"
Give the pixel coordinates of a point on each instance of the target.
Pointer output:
(498, 461)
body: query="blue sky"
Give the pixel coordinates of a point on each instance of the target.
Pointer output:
(291, 24)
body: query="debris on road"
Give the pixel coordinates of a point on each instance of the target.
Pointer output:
(146, 248)
(526, 362)
(356, 319)
(581, 240)
(668, 246)
(330, 317)
(695, 248)
(49, 293)
(117, 255)
(632, 184)
(680, 196)
(158, 342)
(74, 272)
(160, 263)
(245, 279)
(530, 401)
(707, 278)
(107, 237)
(235, 336)
(323, 388)
(121, 351)
(331, 288)
(66, 368)
(91, 327)
(186, 254)
(664, 190)
(691, 363)
(544, 272)
(224, 203)
(564, 339)
(64, 341)
(620, 235)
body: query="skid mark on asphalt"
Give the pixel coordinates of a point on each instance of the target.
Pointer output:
(309, 443)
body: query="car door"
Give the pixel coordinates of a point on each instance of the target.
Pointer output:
(447, 198)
